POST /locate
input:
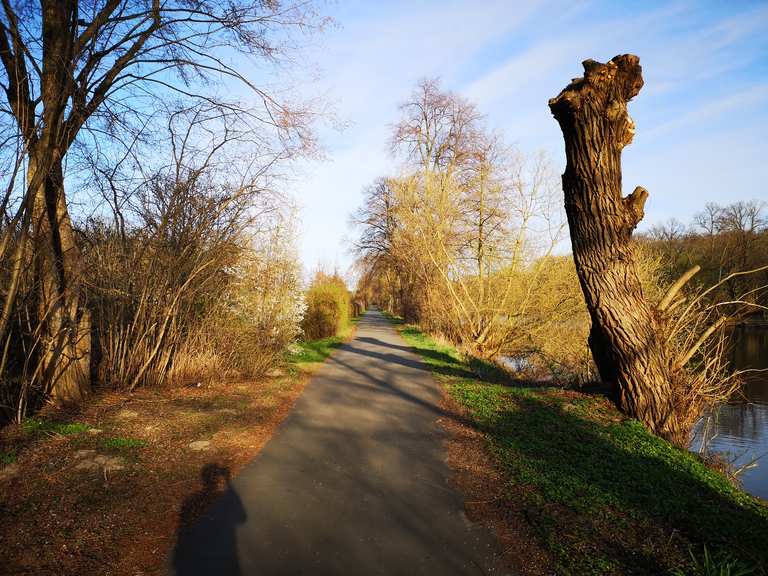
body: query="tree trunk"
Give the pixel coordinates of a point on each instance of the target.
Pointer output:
(64, 323)
(626, 337)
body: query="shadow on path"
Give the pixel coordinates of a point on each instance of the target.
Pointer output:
(387, 387)
(443, 363)
(354, 481)
(192, 555)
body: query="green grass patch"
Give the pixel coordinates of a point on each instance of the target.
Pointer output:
(603, 494)
(40, 426)
(314, 351)
(122, 443)
(7, 457)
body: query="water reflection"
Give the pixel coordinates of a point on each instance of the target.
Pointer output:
(739, 429)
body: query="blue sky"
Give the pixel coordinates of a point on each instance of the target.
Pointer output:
(701, 118)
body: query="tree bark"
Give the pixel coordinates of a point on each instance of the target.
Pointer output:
(63, 353)
(64, 322)
(626, 335)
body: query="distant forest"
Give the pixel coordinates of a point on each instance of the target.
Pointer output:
(724, 240)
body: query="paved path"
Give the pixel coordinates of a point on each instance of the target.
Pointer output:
(354, 482)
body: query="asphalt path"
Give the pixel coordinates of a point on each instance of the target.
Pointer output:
(355, 481)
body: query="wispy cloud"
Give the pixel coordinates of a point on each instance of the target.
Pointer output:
(705, 65)
(711, 111)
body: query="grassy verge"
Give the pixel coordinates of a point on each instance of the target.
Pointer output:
(305, 356)
(104, 489)
(598, 491)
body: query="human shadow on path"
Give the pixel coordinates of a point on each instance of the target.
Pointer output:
(203, 547)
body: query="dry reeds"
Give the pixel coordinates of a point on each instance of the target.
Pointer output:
(698, 345)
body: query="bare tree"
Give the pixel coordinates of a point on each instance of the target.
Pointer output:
(71, 68)
(670, 231)
(377, 220)
(437, 130)
(708, 219)
(743, 217)
(642, 347)
(192, 224)
(456, 241)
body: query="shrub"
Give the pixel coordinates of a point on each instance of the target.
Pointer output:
(328, 307)
(256, 317)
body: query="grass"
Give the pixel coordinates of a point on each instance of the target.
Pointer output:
(40, 426)
(7, 457)
(302, 354)
(602, 494)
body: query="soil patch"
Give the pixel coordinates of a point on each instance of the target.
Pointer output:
(488, 500)
(100, 490)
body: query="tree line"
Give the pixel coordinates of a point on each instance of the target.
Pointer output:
(143, 237)
(723, 240)
(467, 241)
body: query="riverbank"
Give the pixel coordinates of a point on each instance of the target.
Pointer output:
(103, 490)
(591, 488)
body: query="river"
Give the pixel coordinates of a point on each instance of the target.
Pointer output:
(739, 429)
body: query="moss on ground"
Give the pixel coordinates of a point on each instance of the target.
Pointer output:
(123, 443)
(603, 494)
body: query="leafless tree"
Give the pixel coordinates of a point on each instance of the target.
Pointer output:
(625, 336)
(670, 231)
(83, 72)
(456, 241)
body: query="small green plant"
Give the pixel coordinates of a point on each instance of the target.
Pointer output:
(39, 426)
(708, 565)
(314, 350)
(123, 443)
(7, 457)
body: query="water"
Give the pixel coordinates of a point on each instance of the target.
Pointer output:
(739, 429)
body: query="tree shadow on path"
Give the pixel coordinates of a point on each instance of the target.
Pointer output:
(436, 361)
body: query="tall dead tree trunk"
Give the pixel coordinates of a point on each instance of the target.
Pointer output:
(625, 337)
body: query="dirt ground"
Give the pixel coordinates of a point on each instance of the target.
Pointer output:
(486, 498)
(103, 490)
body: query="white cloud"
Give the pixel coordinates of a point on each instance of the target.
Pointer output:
(511, 58)
(710, 111)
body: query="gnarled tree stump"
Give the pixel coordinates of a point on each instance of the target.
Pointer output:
(625, 338)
